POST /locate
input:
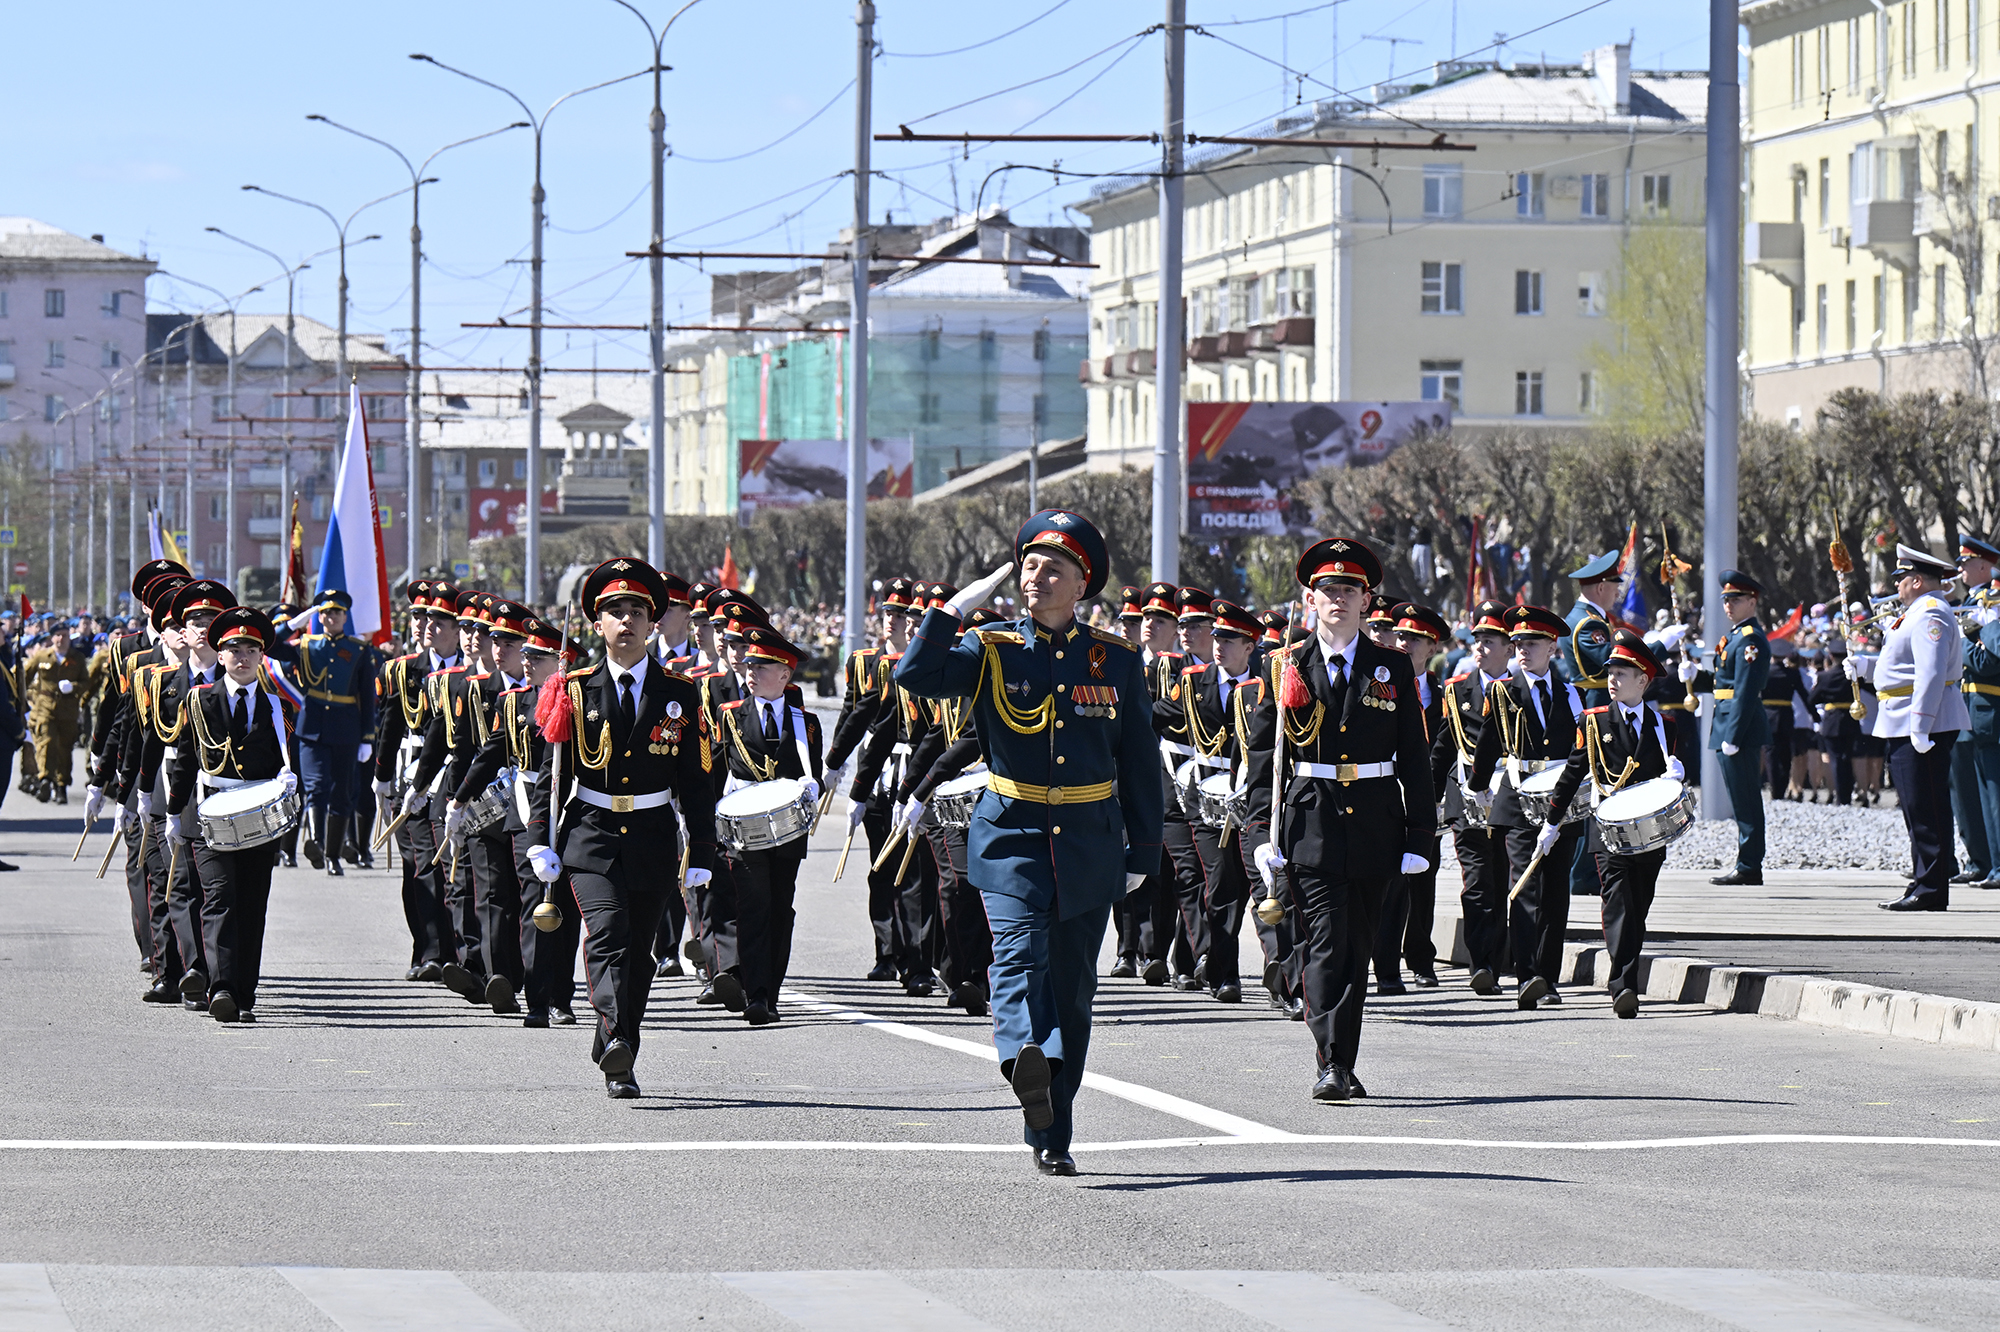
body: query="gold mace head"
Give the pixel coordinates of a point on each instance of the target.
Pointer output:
(548, 918)
(1836, 552)
(1270, 911)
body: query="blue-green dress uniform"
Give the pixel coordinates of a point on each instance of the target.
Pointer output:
(1975, 759)
(1743, 664)
(1073, 805)
(337, 673)
(1584, 654)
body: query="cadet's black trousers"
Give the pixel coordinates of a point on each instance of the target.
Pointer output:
(424, 908)
(236, 895)
(1628, 895)
(1405, 929)
(966, 936)
(897, 913)
(461, 907)
(1335, 916)
(1185, 882)
(497, 898)
(548, 958)
(1482, 864)
(621, 912)
(1537, 918)
(1225, 890)
(766, 884)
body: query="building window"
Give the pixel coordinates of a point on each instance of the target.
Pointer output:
(1440, 381)
(1798, 69)
(1913, 291)
(1656, 195)
(1444, 191)
(1798, 320)
(1297, 291)
(3, 302)
(1851, 302)
(217, 512)
(1880, 310)
(1527, 393)
(112, 356)
(489, 471)
(1941, 20)
(1528, 194)
(989, 408)
(1854, 55)
(320, 504)
(1825, 190)
(1444, 288)
(1909, 41)
(1937, 302)
(1596, 195)
(928, 412)
(1823, 58)
(1820, 302)
(1527, 292)
(56, 354)
(54, 303)
(1590, 294)
(217, 552)
(225, 407)
(324, 407)
(53, 407)
(1041, 344)
(1586, 393)
(381, 407)
(114, 302)
(520, 469)
(1240, 290)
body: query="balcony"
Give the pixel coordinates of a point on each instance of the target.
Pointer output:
(1296, 331)
(1777, 248)
(265, 527)
(1205, 350)
(1139, 364)
(1235, 345)
(1885, 229)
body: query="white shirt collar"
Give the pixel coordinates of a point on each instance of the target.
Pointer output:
(637, 674)
(236, 689)
(443, 663)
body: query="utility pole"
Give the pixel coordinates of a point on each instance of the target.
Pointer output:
(857, 339)
(656, 455)
(1167, 453)
(531, 540)
(1719, 416)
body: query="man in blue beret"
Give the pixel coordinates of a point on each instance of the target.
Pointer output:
(1975, 759)
(1739, 730)
(1070, 821)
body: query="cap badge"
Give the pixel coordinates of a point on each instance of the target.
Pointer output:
(1061, 519)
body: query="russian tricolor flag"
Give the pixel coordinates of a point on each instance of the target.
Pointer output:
(352, 560)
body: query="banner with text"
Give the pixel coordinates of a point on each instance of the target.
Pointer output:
(495, 512)
(1245, 458)
(792, 473)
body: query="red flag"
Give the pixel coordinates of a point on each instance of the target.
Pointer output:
(728, 578)
(26, 609)
(294, 590)
(1791, 624)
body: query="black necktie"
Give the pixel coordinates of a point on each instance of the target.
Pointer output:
(771, 723)
(1339, 676)
(1542, 699)
(242, 717)
(627, 714)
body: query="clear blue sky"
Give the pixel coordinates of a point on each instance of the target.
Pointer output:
(142, 121)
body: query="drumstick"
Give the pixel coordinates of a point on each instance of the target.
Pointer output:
(845, 847)
(895, 836)
(1521, 884)
(117, 836)
(88, 824)
(903, 869)
(388, 829)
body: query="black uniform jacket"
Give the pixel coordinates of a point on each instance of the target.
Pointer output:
(1514, 730)
(1609, 752)
(401, 708)
(749, 757)
(210, 741)
(1375, 718)
(859, 706)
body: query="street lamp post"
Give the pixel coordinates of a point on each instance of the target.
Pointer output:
(414, 400)
(229, 303)
(531, 574)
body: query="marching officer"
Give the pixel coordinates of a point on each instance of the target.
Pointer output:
(1975, 759)
(53, 678)
(627, 743)
(335, 670)
(1739, 729)
(1070, 821)
(1586, 646)
(1481, 848)
(1356, 807)
(1918, 678)
(1182, 877)
(1411, 903)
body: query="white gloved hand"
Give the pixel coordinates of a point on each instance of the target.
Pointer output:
(93, 803)
(857, 810)
(913, 812)
(1675, 770)
(1920, 741)
(454, 819)
(415, 800)
(363, 754)
(385, 789)
(1848, 665)
(1269, 861)
(145, 804)
(1548, 838)
(837, 779)
(291, 782)
(65, 687)
(1687, 671)
(1987, 616)
(120, 817)
(1483, 797)
(547, 864)
(302, 619)
(1414, 864)
(1730, 749)
(1132, 882)
(975, 595)
(175, 832)
(697, 877)
(1671, 636)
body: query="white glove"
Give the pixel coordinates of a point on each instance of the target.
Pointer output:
(1132, 882)
(1414, 864)
(1675, 770)
(1671, 636)
(145, 804)
(857, 810)
(1920, 741)
(1483, 797)
(175, 832)
(913, 812)
(454, 819)
(1729, 749)
(697, 877)
(363, 754)
(812, 790)
(65, 687)
(1269, 861)
(93, 803)
(837, 779)
(1548, 838)
(301, 620)
(976, 594)
(1848, 665)
(120, 817)
(1987, 616)
(415, 800)
(384, 789)
(548, 865)
(291, 782)
(1687, 671)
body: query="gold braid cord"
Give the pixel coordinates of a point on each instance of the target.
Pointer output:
(598, 759)
(761, 769)
(1207, 745)
(224, 754)
(413, 717)
(1019, 720)
(168, 735)
(1500, 706)
(305, 662)
(1298, 734)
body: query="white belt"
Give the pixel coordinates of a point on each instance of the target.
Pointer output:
(622, 804)
(1346, 772)
(901, 747)
(214, 783)
(1174, 747)
(1212, 761)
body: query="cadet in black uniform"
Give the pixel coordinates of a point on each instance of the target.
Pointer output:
(1482, 853)
(404, 711)
(1411, 902)
(627, 741)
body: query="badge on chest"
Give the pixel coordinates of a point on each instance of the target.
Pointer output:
(1095, 701)
(1379, 692)
(666, 736)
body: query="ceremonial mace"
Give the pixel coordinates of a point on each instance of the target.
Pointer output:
(1271, 911)
(548, 916)
(1843, 565)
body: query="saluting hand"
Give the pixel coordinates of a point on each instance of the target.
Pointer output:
(976, 594)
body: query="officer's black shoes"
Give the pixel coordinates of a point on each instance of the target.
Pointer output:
(970, 998)
(1553, 999)
(1231, 993)
(691, 950)
(500, 994)
(247, 1015)
(1993, 882)
(563, 1017)
(1531, 991)
(1187, 983)
(62, 795)
(1968, 876)
(161, 992)
(1031, 1077)
(429, 971)
(1626, 1004)
(621, 1087)
(1483, 981)
(1912, 902)
(1154, 972)
(536, 1020)
(757, 1014)
(1335, 1084)
(1051, 1162)
(669, 969)
(311, 848)
(1295, 1009)
(5, 868)
(460, 981)
(1391, 987)
(1740, 878)
(617, 1057)
(1426, 980)
(411, 974)
(193, 985)
(288, 860)
(885, 970)
(708, 998)
(919, 986)
(729, 989)
(1354, 1085)
(222, 1006)
(195, 1005)
(336, 833)
(1127, 968)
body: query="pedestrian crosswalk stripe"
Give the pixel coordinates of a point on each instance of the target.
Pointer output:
(360, 1299)
(28, 1302)
(1300, 1301)
(852, 1302)
(1755, 1300)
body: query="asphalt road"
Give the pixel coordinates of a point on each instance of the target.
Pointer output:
(375, 1154)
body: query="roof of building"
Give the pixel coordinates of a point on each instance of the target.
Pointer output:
(317, 342)
(27, 238)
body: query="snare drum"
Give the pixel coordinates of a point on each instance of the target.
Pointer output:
(1213, 800)
(1537, 792)
(488, 810)
(1645, 817)
(764, 815)
(952, 801)
(241, 817)
(1187, 788)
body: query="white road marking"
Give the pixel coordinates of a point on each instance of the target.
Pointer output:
(366, 1299)
(1300, 1301)
(1753, 1300)
(852, 1302)
(28, 1302)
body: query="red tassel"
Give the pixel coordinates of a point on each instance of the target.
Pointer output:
(553, 713)
(1292, 692)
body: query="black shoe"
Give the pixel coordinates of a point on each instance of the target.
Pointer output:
(1334, 1084)
(364, 858)
(1626, 1004)
(1483, 981)
(336, 833)
(311, 847)
(1968, 876)
(1278, 1001)
(708, 998)
(460, 981)
(247, 1015)
(5, 867)
(1231, 993)
(691, 950)
(621, 1087)
(729, 989)
(617, 1056)
(1426, 980)
(161, 992)
(756, 1014)
(969, 998)
(1531, 990)
(222, 1006)
(537, 1020)
(1295, 1009)
(1354, 1084)
(668, 969)
(884, 970)
(1187, 983)
(195, 1005)
(500, 994)
(289, 860)
(1912, 902)
(563, 1017)
(1391, 987)
(1127, 968)
(1031, 1077)
(1201, 969)
(1752, 878)
(193, 985)
(429, 971)
(1051, 1162)
(1154, 972)
(411, 974)
(920, 987)
(1553, 999)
